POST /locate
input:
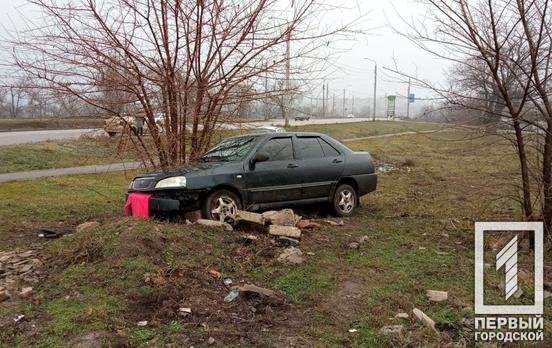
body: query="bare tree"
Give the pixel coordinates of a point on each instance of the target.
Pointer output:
(503, 49)
(184, 60)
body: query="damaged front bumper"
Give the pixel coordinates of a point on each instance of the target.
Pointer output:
(162, 202)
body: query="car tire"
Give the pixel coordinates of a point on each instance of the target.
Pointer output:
(226, 201)
(345, 200)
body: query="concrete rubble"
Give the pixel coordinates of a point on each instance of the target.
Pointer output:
(286, 231)
(18, 270)
(436, 295)
(424, 319)
(391, 329)
(87, 225)
(284, 217)
(249, 217)
(291, 255)
(213, 223)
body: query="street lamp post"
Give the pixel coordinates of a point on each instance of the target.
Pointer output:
(375, 86)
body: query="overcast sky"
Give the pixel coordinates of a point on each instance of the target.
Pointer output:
(355, 73)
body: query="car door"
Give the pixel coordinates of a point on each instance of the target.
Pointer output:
(277, 179)
(321, 164)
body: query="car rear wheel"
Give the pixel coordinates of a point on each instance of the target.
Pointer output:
(221, 205)
(345, 200)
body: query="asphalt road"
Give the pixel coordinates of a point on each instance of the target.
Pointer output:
(25, 137)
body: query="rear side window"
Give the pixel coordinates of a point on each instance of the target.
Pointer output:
(279, 149)
(329, 151)
(309, 148)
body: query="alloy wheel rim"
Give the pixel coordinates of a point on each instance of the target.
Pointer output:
(346, 201)
(224, 208)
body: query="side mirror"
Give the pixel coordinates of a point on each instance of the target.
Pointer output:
(260, 157)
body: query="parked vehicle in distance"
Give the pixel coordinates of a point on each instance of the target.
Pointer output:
(350, 116)
(116, 125)
(302, 118)
(259, 171)
(269, 129)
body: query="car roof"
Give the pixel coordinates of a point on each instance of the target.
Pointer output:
(279, 135)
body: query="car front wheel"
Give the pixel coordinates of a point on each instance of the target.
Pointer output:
(344, 200)
(221, 205)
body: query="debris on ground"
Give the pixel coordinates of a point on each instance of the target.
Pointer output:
(286, 231)
(402, 315)
(227, 281)
(249, 217)
(424, 319)
(286, 241)
(184, 311)
(386, 168)
(247, 240)
(363, 239)
(307, 224)
(353, 330)
(100, 339)
(26, 292)
(142, 323)
(436, 295)
(353, 245)
(292, 255)
(391, 329)
(4, 295)
(213, 223)
(215, 273)
(211, 341)
(254, 289)
(547, 294)
(18, 268)
(19, 318)
(87, 225)
(284, 217)
(49, 234)
(518, 293)
(334, 223)
(232, 295)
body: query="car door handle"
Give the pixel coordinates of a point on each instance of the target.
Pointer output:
(337, 160)
(292, 165)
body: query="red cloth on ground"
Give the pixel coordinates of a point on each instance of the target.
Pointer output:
(137, 205)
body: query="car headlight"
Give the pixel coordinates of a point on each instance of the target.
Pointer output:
(175, 181)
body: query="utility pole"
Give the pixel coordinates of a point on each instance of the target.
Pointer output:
(333, 106)
(266, 92)
(353, 106)
(408, 100)
(324, 100)
(344, 102)
(375, 89)
(287, 94)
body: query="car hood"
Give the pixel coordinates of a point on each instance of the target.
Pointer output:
(191, 168)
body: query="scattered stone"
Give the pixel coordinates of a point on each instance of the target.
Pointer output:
(441, 253)
(285, 217)
(391, 329)
(250, 288)
(334, 223)
(26, 254)
(547, 294)
(518, 293)
(184, 311)
(353, 245)
(306, 224)
(87, 225)
(286, 231)
(353, 330)
(193, 216)
(4, 295)
(211, 341)
(402, 315)
(291, 255)
(26, 292)
(488, 265)
(363, 239)
(142, 323)
(437, 296)
(227, 281)
(310, 253)
(285, 241)
(213, 223)
(18, 318)
(249, 217)
(386, 168)
(427, 321)
(232, 295)
(445, 235)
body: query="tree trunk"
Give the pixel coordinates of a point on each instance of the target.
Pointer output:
(547, 179)
(522, 155)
